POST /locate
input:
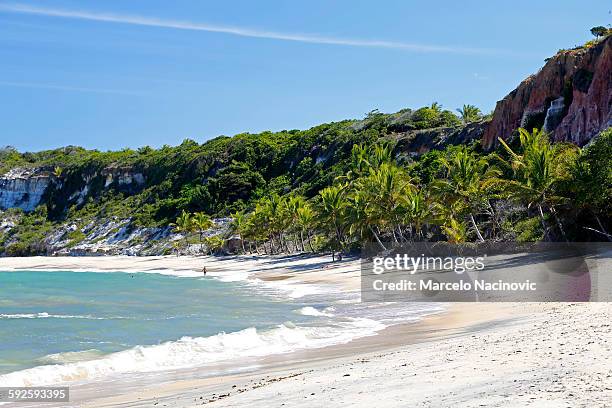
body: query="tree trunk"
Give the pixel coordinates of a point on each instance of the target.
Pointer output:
(310, 241)
(337, 232)
(377, 239)
(278, 246)
(284, 247)
(543, 220)
(554, 213)
(480, 238)
(242, 245)
(601, 226)
(295, 243)
(494, 220)
(401, 233)
(302, 240)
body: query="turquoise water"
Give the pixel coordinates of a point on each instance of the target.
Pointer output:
(71, 327)
(63, 317)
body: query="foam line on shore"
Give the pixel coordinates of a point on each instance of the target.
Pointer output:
(198, 351)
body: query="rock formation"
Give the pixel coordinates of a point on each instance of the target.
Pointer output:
(417, 142)
(22, 188)
(571, 94)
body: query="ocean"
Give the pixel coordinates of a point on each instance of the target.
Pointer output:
(67, 327)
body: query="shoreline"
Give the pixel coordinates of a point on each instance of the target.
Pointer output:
(295, 269)
(453, 322)
(416, 343)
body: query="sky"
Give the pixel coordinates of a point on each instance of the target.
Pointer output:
(113, 74)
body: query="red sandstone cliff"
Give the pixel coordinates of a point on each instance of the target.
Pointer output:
(581, 77)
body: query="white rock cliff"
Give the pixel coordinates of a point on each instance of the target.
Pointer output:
(22, 188)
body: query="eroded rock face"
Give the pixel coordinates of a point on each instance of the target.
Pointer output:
(23, 188)
(583, 78)
(123, 177)
(417, 142)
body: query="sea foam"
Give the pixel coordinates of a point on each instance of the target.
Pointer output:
(45, 315)
(311, 311)
(197, 351)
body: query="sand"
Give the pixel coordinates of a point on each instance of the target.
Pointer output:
(473, 355)
(548, 356)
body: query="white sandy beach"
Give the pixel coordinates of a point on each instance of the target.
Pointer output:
(474, 354)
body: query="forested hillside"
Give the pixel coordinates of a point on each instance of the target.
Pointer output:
(411, 175)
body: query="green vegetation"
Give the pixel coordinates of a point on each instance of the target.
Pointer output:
(538, 171)
(470, 113)
(378, 200)
(601, 31)
(331, 187)
(223, 175)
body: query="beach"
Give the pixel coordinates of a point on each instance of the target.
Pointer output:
(538, 355)
(471, 354)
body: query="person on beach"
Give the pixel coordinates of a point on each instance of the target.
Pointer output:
(204, 270)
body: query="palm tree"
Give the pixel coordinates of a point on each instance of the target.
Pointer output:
(238, 226)
(305, 219)
(435, 106)
(332, 203)
(539, 171)
(253, 228)
(376, 186)
(380, 154)
(455, 231)
(201, 222)
(265, 217)
(470, 179)
(276, 210)
(419, 210)
(469, 113)
(362, 219)
(591, 185)
(177, 248)
(183, 225)
(271, 219)
(358, 164)
(386, 187)
(214, 243)
(293, 205)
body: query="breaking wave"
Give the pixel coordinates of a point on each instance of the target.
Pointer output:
(193, 351)
(311, 311)
(45, 315)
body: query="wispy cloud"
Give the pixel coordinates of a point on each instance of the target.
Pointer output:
(65, 88)
(480, 76)
(239, 31)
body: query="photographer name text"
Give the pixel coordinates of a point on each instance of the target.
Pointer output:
(458, 286)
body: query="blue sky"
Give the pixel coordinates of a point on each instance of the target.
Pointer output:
(112, 74)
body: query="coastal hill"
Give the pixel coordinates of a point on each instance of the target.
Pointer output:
(77, 201)
(570, 97)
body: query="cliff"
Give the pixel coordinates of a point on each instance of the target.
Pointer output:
(417, 142)
(26, 188)
(570, 97)
(78, 201)
(23, 188)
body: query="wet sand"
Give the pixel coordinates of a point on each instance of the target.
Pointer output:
(473, 354)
